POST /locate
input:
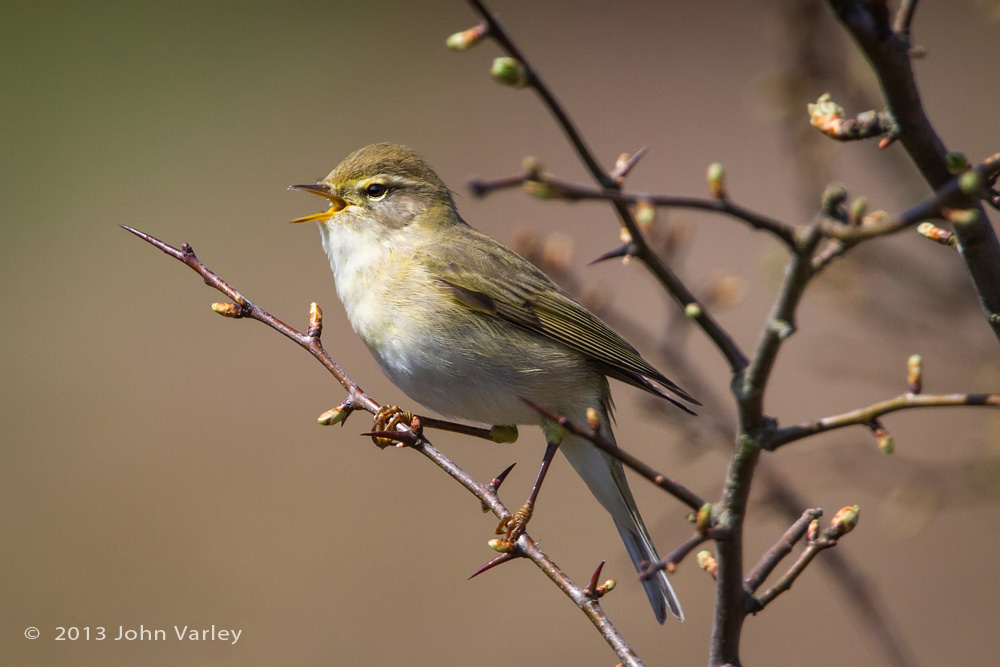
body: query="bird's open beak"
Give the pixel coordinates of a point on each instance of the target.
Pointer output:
(336, 203)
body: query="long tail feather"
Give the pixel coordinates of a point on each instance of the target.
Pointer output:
(606, 480)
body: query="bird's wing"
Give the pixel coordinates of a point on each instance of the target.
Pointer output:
(535, 303)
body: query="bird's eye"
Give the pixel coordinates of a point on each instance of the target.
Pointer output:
(376, 190)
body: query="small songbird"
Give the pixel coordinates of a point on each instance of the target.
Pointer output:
(470, 329)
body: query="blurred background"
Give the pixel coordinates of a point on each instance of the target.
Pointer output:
(162, 465)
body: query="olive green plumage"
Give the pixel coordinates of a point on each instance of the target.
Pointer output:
(469, 328)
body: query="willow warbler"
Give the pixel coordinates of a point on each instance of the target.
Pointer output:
(468, 328)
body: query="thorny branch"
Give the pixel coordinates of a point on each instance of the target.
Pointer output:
(553, 188)
(813, 247)
(888, 51)
(357, 399)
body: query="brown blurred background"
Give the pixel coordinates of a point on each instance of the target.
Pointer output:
(162, 465)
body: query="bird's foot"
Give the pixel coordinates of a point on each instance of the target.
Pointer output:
(387, 419)
(512, 526)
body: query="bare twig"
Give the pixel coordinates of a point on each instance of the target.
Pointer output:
(558, 189)
(782, 548)
(827, 539)
(670, 562)
(865, 416)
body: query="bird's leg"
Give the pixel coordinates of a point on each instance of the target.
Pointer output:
(511, 527)
(386, 419)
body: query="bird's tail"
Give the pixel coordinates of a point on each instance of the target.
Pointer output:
(606, 479)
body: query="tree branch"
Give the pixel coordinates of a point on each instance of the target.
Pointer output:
(525, 546)
(888, 53)
(674, 286)
(867, 415)
(554, 188)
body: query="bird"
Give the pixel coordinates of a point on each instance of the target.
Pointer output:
(468, 328)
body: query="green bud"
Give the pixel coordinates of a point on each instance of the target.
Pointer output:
(692, 310)
(509, 72)
(825, 107)
(844, 521)
(502, 546)
(331, 417)
(886, 444)
(833, 198)
(606, 587)
(971, 182)
(858, 209)
(716, 180)
(645, 213)
(956, 163)
(704, 518)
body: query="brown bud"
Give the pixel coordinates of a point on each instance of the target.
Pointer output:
(707, 562)
(315, 320)
(935, 233)
(813, 531)
(915, 373)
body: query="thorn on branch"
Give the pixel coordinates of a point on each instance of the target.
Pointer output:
(627, 250)
(591, 589)
(502, 558)
(498, 480)
(625, 164)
